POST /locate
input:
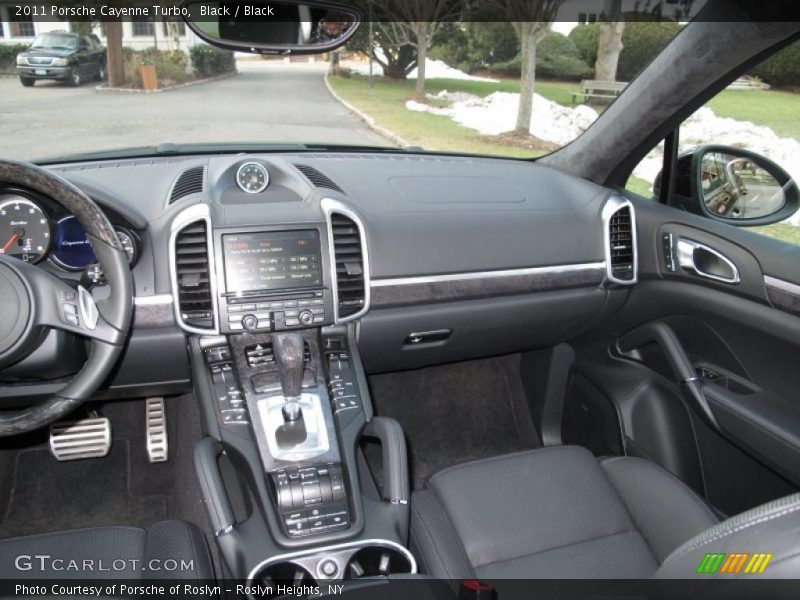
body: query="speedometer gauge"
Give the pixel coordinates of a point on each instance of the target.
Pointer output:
(252, 177)
(24, 228)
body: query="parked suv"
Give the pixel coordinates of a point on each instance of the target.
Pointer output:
(64, 56)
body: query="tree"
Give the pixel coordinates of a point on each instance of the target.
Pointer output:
(531, 20)
(414, 23)
(115, 61)
(397, 61)
(609, 41)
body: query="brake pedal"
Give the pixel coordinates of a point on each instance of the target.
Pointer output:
(156, 423)
(74, 440)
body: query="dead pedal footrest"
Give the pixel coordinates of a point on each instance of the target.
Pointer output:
(86, 438)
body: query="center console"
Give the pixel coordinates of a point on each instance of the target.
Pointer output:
(285, 405)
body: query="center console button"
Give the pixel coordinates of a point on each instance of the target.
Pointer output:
(306, 318)
(298, 527)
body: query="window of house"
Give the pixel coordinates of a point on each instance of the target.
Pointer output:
(143, 27)
(586, 18)
(21, 27)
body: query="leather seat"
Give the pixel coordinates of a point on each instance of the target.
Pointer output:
(167, 549)
(559, 512)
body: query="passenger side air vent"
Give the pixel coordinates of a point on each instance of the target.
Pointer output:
(195, 298)
(621, 240)
(191, 181)
(351, 262)
(318, 179)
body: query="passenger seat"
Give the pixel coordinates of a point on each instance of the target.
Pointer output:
(559, 512)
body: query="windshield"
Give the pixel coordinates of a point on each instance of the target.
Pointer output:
(167, 86)
(55, 41)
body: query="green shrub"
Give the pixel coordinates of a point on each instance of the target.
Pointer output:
(642, 41)
(475, 45)
(781, 69)
(208, 61)
(8, 57)
(557, 57)
(585, 39)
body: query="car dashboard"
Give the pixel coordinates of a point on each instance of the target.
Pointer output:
(432, 258)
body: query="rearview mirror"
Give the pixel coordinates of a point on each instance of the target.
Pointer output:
(282, 27)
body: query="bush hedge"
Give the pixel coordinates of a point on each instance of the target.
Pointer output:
(208, 61)
(8, 58)
(171, 66)
(557, 57)
(642, 41)
(781, 69)
(475, 45)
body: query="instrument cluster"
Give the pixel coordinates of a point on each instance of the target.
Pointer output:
(32, 230)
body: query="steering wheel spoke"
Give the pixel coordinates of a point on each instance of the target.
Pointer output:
(76, 311)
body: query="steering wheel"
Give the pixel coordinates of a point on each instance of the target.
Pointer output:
(33, 301)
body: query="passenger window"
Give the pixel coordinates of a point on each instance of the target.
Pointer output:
(760, 113)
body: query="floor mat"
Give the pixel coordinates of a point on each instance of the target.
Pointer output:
(458, 412)
(47, 495)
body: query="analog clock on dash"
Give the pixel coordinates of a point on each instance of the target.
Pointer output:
(252, 177)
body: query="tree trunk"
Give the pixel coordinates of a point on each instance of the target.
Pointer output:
(528, 79)
(609, 47)
(422, 55)
(115, 65)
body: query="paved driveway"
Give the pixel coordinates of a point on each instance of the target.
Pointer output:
(265, 102)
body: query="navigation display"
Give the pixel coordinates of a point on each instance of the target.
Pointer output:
(272, 260)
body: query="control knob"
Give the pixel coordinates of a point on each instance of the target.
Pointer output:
(306, 318)
(250, 322)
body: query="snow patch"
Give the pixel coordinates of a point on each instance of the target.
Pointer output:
(497, 113)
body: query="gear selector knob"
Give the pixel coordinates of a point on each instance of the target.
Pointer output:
(288, 349)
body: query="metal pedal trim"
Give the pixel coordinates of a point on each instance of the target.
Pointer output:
(75, 440)
(156, 426)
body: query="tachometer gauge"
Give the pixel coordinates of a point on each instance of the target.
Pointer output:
(252, 177)
(24, 228)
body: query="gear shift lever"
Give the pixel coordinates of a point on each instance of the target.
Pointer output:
(288, 349)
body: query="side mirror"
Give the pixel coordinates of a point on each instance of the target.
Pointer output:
(267, 27)
(733, 185)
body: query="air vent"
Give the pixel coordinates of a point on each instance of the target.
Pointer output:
(351, 286)
(193, 277)
(189, 182)
(621, 246)
(318, 179)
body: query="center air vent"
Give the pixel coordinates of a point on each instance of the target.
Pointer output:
(318, 179)
(350, 261)
(191, 181)
(621, 252)
(193, 277)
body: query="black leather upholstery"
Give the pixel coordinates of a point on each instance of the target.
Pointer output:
(167, 549)
(772, 529)
(551, 513)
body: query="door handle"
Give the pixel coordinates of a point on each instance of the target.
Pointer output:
(706, 261)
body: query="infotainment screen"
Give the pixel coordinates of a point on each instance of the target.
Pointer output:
(272, 260)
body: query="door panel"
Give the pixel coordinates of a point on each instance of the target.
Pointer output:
(715, 360)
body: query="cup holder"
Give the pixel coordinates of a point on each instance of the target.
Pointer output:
(278, 577)
(377, 561)
(299, 572)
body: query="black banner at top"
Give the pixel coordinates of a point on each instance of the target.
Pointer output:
(574, 11)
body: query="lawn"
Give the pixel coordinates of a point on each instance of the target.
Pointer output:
(386, 104)
(777, 110)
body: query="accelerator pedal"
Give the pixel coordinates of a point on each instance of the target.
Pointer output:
(74, 440)
(156, 423)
